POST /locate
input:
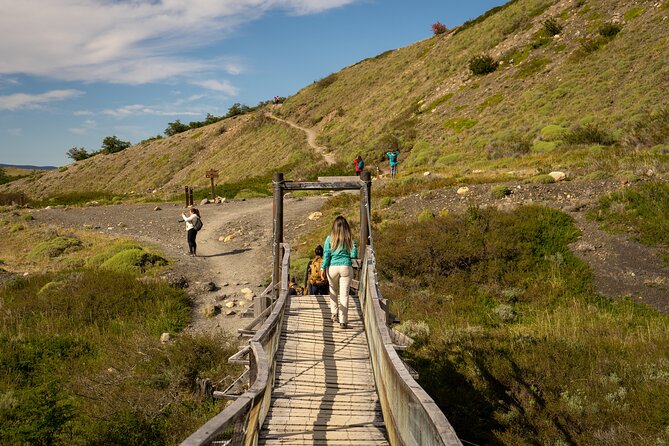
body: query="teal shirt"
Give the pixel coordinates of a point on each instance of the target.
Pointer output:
(340, 257)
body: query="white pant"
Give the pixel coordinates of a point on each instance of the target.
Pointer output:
(339, 278)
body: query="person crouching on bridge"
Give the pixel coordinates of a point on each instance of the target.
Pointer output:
(338, 252)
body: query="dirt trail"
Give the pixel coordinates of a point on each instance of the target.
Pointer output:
(244, 261)
(311, 139)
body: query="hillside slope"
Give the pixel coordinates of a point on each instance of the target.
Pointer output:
(424, 99)
(589, 100)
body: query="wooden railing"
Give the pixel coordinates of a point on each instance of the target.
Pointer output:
(240, 422)
(410, 415)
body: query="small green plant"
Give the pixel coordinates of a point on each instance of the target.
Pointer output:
(482, 65)
(542, 179)
(552, 27)
(426, 215)
(610, 29)
(327, 81)
(419, 331)
(133, 261)
(500, 191)
(589, 134)
(56, 247)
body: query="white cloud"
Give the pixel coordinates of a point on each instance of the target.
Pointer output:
(139, 109)
(85, 127)
(132, 42)
(213, 84)
(24, 100)
(15, 131)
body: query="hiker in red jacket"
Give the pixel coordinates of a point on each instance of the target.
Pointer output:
(359, 165)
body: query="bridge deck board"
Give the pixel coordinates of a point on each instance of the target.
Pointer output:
(324, 385)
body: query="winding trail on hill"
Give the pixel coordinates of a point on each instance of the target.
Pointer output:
(311, 139)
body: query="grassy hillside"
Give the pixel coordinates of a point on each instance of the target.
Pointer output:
(528, 113)
(580, 86)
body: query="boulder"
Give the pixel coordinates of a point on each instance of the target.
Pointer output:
(463, 190)
(165, 338)
(558, 176)
(315, 215)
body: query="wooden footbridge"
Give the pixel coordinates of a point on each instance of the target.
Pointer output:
(311, 382)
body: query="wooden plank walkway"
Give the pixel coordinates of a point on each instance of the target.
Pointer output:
(324, 387)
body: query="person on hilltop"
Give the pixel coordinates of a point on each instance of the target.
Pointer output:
(392, 160)
(359, 165)
(338, 253)
(313, 282)
(193, 225)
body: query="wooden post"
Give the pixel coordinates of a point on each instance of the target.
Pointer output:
(365, 211)
(190, 194)
(186, 193)
(277, 183)
(211, 174)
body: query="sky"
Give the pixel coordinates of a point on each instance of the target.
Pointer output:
(75, 71)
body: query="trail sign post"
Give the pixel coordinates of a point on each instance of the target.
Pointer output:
(211, 174)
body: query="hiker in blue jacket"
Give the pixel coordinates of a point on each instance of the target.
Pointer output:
(392, 159)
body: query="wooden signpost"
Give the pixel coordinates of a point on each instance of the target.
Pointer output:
(211, 174)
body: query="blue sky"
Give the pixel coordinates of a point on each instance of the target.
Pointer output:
(75, 71)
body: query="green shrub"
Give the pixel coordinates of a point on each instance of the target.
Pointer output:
(56, 247)
(610, 29)
(544, 146)
(419, 331)
(500, 191)
(133, 261)
(482, 65)
(508, 144)
(27, 217)
(553, 133)
(642, 210)
(426, 215)
(589, 134)
(97, 260)
(551, 27)
(650, 130)
(542, 179)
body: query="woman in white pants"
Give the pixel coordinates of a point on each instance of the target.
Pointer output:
(338, 251)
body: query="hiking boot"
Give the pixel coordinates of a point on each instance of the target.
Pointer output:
(334, 318)
(343, 325)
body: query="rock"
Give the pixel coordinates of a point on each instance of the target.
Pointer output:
(179, 282)
(315, 215)
(165, 338)
(157, 208)
(230, 304)
(231, 313)
(426, 174)
(211, 310)
(478, 171)
(247, 293)
(229, 238)
(463, 190)
(204, 201)
(558, 176)
(210, 286)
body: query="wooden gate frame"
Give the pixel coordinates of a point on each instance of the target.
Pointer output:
(280, 186)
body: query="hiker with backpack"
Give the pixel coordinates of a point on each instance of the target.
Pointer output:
(338, 253)
(193, 225)
(392, 160)
(359, 165)
(313, 282)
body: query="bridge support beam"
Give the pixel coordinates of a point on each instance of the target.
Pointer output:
(278, 186)
(365, 211)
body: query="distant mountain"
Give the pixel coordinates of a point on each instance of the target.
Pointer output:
(28, 167)
(530, 87)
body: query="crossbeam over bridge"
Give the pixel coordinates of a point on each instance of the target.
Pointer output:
(312, 383)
